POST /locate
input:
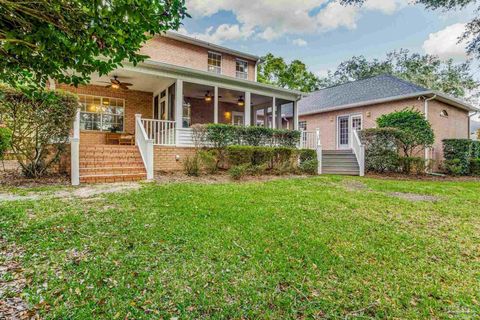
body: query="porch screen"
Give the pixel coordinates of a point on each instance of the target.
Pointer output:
(101, 113)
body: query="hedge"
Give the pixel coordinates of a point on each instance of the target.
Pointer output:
(458, 154)
(261, 158)
(381, 149)
(222, 135)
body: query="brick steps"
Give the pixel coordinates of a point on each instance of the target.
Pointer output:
(110, 163)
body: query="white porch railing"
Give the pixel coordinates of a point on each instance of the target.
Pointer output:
(319, 151)
(75, 151)
(308, 140)
(145, 145)
(162, 132)
(359, 150)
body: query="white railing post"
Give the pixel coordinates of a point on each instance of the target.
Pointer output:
(145, 146)
(75, 151)
(359, 150)
(319, 150)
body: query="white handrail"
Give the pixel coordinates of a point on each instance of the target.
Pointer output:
(75, 151)
(162, 132)
(319, 150)
(145, 145)
(359, 150)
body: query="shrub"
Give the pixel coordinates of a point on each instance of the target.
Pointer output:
(454, 167)
(5, 140)
(238, 172)
(462, 150)
(191, 165)
(209, 160)
(308, 162)
(475, 166)
(410, 165)
(416, 132)
(238, 155)
(220, 135)
(257, 136)
(287, 138)
(263, 156)
(40, 126)
(381, 149)
(199, 135)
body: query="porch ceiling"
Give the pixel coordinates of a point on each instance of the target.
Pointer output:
(140, 81)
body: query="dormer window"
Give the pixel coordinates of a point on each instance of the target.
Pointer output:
(241, 69)
(215, 62)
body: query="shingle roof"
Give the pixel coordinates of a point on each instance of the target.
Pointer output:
(374, 88)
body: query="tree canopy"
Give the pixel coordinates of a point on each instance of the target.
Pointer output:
(472, 32)
(294, 75)
(64, 40)
(424, 70)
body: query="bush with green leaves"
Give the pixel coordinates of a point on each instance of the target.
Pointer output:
(462, 151)
(191, 165)
(411, 165)
(308, 162)
(416, 133)
(40, 126)
(209, 160)
(222, 135)
(475, 167)
(453, 167)
(238, 172)
(381, 149)
(5, 140)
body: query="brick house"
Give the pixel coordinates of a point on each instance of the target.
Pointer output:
(185, 81)
(340, 110)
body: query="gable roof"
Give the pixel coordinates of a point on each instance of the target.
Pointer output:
(377, 89)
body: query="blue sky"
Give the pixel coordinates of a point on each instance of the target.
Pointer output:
(323, 33)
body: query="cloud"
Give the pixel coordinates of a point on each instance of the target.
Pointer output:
(444, 43)
(300, 42)
(272, 19)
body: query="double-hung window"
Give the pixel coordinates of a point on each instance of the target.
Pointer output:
(241, 69)
(101, 113)
(214, 62)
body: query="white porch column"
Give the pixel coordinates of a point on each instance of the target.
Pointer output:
(215, 104)
(248, 109)
(178, 109)
(295, 115)
(274, 113)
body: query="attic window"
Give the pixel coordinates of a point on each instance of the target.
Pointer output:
(444, 114)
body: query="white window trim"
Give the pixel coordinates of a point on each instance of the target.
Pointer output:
(221, 61)
(246, 72)
(101, 114)
(337, 127)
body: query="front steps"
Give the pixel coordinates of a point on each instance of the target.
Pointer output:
(340, 162)
(110, 163)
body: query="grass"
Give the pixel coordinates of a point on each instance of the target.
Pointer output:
(322, 247)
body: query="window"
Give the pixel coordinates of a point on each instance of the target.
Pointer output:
(302, 125)
(215, 62)
(101, 113)
(444, 114)
(242, 69)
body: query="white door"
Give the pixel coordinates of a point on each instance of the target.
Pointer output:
(345, 127)
(237, 118)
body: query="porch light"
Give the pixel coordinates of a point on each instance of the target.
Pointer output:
(241, 102)
(208, 97)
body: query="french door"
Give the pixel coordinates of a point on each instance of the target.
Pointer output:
(345, 126)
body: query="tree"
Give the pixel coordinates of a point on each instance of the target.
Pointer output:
(472, 32)
(40, 126)
(424, 70)
(67, 40)
(416, 132)
(295, 76)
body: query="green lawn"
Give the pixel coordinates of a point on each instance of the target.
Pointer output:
(324, 247)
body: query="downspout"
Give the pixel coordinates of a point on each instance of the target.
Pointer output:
(426, 100)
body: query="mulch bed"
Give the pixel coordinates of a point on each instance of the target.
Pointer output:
(16, 179)
(220, 177)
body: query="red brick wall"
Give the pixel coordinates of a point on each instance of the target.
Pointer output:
(455, 126)
(135, 102)
(202, 112)
(183, 54)
(165, 158)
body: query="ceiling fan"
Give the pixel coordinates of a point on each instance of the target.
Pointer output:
(207, 97)
(117, 84)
